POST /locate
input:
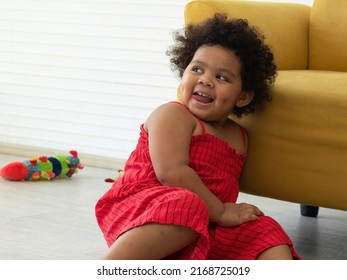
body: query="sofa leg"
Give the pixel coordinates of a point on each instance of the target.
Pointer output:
(309, 210)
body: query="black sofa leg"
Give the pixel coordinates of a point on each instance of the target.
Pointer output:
(309, 211)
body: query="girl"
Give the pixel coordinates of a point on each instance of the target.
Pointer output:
(177, 197)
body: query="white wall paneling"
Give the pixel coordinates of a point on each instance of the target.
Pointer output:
(83, 74)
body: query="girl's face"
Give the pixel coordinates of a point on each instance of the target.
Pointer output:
(211, 85)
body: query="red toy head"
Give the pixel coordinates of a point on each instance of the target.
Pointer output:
(15, 171)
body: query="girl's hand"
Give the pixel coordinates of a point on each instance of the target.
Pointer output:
(235, 214)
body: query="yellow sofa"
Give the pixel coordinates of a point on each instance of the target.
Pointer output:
(298, 143)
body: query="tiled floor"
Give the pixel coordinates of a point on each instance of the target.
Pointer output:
(55, 220)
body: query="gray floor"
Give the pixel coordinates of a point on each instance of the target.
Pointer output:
(55, 220)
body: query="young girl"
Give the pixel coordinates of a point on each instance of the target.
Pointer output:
(177, 197)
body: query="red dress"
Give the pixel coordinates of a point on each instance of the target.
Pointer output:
(138, 198)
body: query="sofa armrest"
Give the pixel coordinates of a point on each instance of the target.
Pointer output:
(285, 25)
(298, 144)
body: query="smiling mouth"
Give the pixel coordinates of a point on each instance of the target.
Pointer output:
(203, 98)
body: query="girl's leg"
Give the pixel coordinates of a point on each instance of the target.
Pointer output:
(151, 241)
(280, 252)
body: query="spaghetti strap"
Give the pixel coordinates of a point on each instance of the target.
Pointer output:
(243, 135)
(203, 130)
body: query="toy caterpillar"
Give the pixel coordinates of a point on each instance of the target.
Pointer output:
(42, 168)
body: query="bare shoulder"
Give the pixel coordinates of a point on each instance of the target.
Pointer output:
(170, 114)
(170, 128)
(170, 108)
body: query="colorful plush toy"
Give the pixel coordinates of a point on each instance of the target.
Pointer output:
(42, 168)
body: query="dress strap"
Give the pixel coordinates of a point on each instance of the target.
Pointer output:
(203, 130)
(243, 135)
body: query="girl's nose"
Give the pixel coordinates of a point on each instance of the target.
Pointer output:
(206, 81)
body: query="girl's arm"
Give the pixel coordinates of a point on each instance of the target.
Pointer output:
(170, 128)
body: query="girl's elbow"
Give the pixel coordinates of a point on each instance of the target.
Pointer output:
(168, 178)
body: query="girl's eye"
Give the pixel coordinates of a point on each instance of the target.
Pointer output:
(222, 78)
(197, 70)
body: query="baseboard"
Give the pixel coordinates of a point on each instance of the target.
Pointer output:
(86, 159)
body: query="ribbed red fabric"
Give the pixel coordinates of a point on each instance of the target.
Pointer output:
(138, 198)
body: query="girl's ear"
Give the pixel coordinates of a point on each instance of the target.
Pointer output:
(245, 98)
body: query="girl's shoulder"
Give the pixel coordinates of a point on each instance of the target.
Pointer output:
(172, 114)
(172, 110)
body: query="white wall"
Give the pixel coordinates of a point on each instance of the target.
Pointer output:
(83, 74)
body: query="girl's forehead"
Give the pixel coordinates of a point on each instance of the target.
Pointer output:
(217, 56)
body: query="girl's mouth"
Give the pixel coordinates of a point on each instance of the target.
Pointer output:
(201, 97)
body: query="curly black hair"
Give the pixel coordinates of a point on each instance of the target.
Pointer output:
(258, 71)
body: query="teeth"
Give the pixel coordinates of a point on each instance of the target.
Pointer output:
(203, 95)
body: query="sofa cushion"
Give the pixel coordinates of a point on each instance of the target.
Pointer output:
(328, 35)
(298, 142)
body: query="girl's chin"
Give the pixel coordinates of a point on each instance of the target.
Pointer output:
(200, 110)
